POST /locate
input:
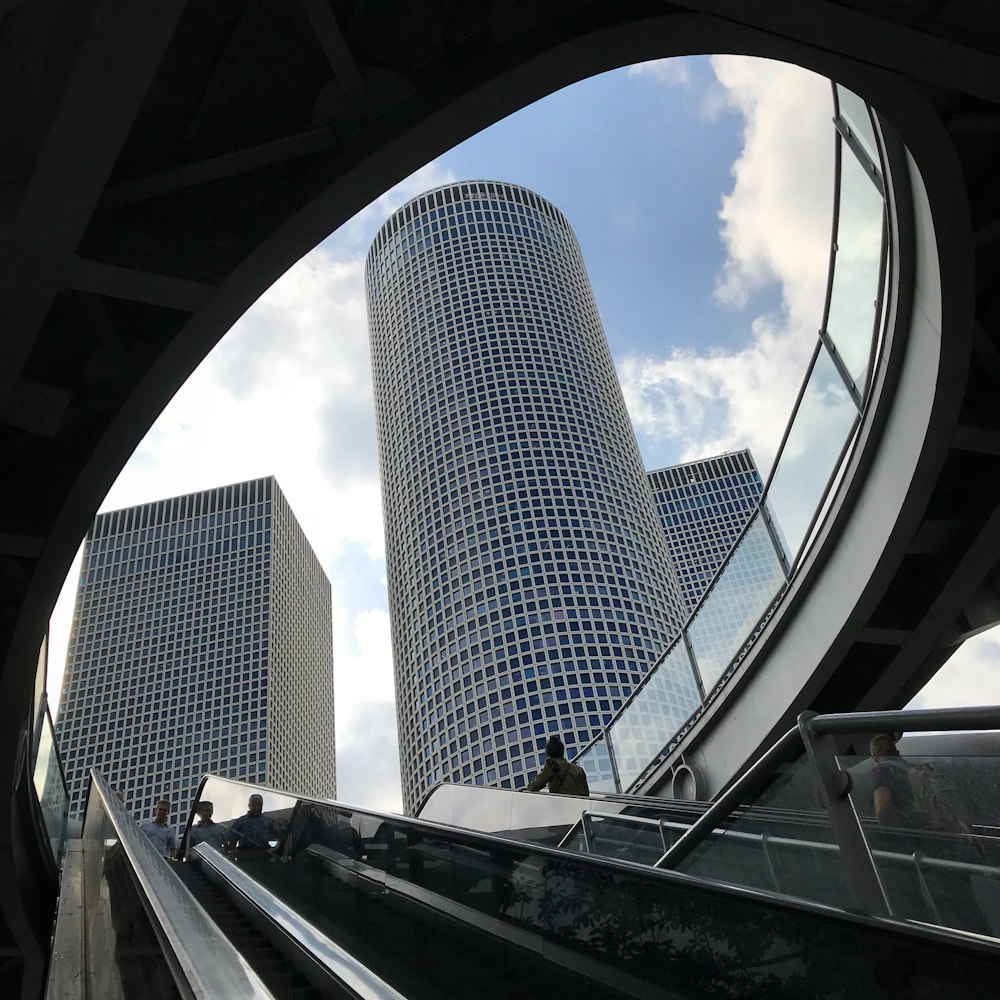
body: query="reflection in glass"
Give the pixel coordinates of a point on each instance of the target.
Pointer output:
(230, 800)
(666, 700)
(736, 602)
(596, 761)
(933, 842)
(124, 955)
(50, 788)
(857, 263)
(822, 424)
(854, 111)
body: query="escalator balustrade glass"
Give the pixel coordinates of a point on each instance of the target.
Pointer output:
(432, 910)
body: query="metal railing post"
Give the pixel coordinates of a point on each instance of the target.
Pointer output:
(835, 785)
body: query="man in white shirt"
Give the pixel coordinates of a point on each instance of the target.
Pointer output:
(160, 832)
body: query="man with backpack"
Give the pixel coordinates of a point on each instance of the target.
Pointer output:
(916, 797)
(561, 777)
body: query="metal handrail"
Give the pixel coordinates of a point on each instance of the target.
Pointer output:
(209, 964)
(325, 958)
(913, 720)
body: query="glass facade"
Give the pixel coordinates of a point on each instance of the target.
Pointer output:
(703, 507)
(529, 581)
(201, 641)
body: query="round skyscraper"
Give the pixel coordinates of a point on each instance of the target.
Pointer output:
(530, 586)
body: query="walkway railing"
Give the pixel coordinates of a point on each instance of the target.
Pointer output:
(801, 823)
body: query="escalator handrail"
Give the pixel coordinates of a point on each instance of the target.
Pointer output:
(331, 960)
(195, 947)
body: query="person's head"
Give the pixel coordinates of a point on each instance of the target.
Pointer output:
(204, 809)
(161, 811)
(554, 748)
(255, 804)
(883, 745)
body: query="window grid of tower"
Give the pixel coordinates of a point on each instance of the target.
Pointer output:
(529, 582)
(703, 507)
(202, 629)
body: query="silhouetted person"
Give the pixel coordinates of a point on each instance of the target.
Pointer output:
(206, 831)
(559, 775)
(249, 835)
(159, 831)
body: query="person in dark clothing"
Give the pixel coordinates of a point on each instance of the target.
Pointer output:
(207, 831)
(891, 791)
(250, 835)
(559, 775)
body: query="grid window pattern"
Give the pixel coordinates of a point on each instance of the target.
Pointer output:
(703, 507)
(201, 642)
(529, 582)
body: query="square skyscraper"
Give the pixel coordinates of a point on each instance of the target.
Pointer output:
(704, 506)
(201, 642)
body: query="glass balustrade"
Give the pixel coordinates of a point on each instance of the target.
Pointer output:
(857, 269)
(597, 763)
(856, 115)
(50, 788)
(825, 417)
(741, 594)
(663, 703)
(821, 432)
(936, 849)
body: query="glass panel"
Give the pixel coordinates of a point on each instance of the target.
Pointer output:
(661, 706)
(50, 788)
(738, 598)
(854, 111)
(428, 908)
(821, 426)
(124, 956)
(626, 838)
(38, 706)
(535, 818)
(780, 841)
(853, 299)
(230, 802)
(597, 763)
(931, 823)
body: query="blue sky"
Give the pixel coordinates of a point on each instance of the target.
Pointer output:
(700, 192)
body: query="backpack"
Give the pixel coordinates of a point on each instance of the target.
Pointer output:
(936, 800)
(571, 776)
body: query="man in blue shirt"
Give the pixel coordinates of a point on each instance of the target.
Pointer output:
(159, 831)
(249, 835)
(206, 831)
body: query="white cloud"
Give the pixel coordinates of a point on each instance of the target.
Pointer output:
(970, 677)
(675, 72)
(775, 228)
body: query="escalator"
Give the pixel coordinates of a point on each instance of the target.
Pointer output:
(277, 972)
(351, 902)
(436, 911)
